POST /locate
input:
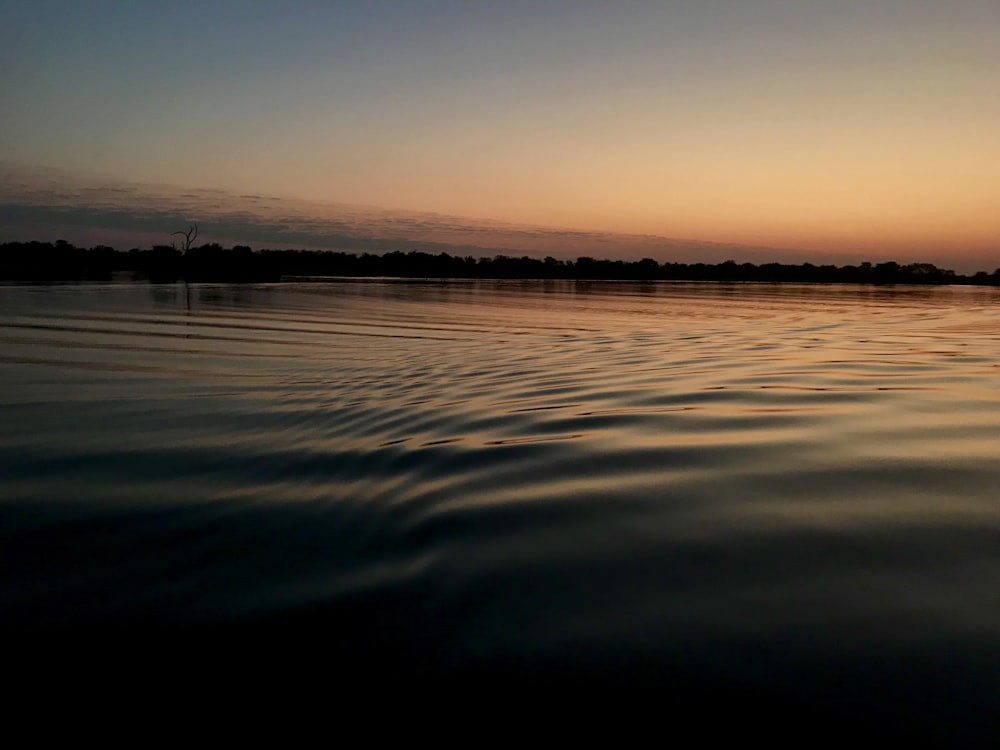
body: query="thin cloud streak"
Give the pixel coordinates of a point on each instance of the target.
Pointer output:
(49, 204)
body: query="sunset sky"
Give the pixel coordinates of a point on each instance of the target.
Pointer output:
(867, 128)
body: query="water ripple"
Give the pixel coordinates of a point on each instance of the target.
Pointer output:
(681, 479)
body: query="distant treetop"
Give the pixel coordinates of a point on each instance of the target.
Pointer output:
(61, 261)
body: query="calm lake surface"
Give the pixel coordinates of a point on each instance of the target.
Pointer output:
(774, 490)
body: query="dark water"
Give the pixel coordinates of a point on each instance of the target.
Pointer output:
(781, 494)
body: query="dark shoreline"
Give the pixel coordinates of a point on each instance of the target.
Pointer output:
(38, 262)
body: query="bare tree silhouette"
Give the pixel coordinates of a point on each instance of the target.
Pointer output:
(189, 236)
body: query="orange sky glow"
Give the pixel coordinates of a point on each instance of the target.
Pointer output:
(808, 127)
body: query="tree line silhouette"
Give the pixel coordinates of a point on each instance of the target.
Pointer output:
(164, 264)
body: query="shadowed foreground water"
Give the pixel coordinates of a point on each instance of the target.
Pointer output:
(786, 495)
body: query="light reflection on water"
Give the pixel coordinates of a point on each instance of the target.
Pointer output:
(754, 484)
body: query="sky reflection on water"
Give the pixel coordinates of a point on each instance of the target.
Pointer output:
(784, 488)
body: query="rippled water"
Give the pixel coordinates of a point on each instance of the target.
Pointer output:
(781, 490)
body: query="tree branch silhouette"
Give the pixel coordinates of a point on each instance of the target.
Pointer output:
(189, 236)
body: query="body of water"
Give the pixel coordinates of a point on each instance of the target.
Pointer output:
(781, 491)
